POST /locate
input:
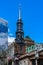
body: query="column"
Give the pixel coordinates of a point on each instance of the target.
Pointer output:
(30, 62)
(36, 61)
(12, 62)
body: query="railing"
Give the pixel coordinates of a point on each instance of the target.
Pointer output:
(37, 47)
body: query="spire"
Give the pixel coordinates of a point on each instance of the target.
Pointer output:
(19, 11)
(19, 14)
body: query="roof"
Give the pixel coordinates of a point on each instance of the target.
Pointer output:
(29, 55)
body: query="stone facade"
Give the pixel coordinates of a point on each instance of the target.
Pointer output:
(30, 59)
(24, 62)
(10, 54)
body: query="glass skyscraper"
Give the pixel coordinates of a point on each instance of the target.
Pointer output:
(3, 34)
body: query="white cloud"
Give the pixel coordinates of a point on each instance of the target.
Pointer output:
(10, 40)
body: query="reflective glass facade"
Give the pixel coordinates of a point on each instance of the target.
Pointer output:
(3, 33)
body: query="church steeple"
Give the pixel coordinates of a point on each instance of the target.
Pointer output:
(19, 36)
(19, 32)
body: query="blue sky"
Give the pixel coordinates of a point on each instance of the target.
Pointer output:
(32, 16)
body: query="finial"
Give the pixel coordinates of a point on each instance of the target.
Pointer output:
(19, 11)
